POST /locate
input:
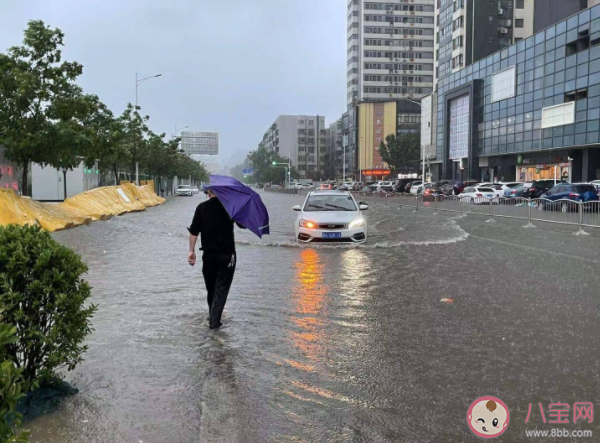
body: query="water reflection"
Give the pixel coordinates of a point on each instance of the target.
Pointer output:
(310, 301)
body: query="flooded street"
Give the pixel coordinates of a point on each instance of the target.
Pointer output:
(329, 343)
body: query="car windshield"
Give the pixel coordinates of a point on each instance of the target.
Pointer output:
(319, 203)
(184, 187)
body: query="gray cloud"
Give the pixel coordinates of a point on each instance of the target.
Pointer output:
(229, 66)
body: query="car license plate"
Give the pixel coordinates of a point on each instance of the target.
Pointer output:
(332, 235)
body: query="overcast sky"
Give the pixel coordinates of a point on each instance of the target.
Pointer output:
(230, 66)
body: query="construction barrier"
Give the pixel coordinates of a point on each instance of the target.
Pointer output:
(97, 204)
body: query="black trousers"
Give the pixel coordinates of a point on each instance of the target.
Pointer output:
(218, 271)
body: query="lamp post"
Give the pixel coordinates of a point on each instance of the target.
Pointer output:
(138, 82)
(180, 129)
(288, 170)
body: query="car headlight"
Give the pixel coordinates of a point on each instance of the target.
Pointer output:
(358, 223)
(307, 224)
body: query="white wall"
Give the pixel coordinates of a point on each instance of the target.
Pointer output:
(47, 183)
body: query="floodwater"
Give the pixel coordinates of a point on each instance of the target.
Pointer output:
(329, 343)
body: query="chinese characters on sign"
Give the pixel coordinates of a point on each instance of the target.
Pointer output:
(378, 128)
(560, 413)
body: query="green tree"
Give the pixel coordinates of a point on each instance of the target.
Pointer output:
(264, 171)
(38, 98)
(106, 134)
(401, 153)
(44, 297)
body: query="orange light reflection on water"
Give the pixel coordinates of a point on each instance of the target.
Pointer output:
(310, 299)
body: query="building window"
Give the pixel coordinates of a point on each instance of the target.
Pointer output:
(518, 23)
(558, 115)
(503, 84)
(491, 19)
(520, 4)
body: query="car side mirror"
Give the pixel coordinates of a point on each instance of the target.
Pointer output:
(297, 208)
(363, 207)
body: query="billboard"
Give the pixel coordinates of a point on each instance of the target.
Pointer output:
(459, 128)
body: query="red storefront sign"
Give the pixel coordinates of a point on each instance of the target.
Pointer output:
(376, 172)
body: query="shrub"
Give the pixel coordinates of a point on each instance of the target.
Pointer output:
(10, 390)
(43, 296)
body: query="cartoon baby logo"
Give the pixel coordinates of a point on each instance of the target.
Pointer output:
(488, 417)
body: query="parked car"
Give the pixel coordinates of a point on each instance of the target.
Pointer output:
(260, 185)
(536, 188)
(558, 197)
(448, 188)
(331, 216)
(184, 190)
(414, 187)
(478, 195)
(409, 185)
(357, 186)
(195, 190)
(325, 187)
(514, 192)
(400, 184)
(460, 186)
(507, 187)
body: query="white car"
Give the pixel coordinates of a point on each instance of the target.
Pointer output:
(330, 216)
(416, 188)
(184, 190)
(478, 195)
(195, 190)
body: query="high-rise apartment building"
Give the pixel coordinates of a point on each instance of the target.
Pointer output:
(469, 30)
(390, 49)
(302, 139)
(200, 143)
(335, 157)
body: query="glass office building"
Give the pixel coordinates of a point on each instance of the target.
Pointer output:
(529, 111)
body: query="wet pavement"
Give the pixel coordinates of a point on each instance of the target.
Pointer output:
(331, 343)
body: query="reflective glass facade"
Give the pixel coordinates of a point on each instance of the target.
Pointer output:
(558, 65)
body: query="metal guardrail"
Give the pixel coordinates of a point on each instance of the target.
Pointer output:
(562, 212)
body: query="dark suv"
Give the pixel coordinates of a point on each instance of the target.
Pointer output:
(559, 195)
(536, 188)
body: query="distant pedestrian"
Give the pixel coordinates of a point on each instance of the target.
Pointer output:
(496, 179)
(486, 177)
(215, 226)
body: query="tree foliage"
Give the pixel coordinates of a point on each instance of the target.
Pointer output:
(40, 102)
(43, 296)
(46, 118)
(264, 171)
(401, 153)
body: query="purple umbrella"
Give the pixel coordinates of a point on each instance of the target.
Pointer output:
(241, 203)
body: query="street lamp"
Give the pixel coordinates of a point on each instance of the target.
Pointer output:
(288, 170)
(180, 129)
(138, 82)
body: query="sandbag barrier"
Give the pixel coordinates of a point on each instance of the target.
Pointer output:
(96, 204)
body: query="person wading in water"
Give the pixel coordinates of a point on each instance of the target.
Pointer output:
(215, 227)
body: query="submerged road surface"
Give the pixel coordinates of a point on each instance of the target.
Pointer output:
(331, 343)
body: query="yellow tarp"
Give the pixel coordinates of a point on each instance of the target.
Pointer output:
(97, 204)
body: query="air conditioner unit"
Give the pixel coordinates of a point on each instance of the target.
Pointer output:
(500, 11)
(503, 31)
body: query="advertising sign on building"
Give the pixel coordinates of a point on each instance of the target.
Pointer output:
(459, 128)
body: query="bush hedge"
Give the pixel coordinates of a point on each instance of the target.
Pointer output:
(43, 296)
